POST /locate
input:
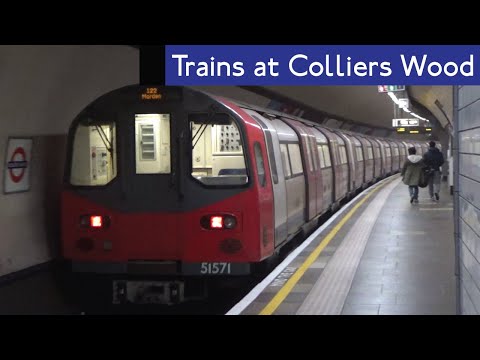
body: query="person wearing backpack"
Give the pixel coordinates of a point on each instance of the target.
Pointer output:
(412, 172)
(434, 159)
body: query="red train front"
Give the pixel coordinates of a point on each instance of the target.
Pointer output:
(165, 183)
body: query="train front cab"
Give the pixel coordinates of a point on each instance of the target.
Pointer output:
(154, 189)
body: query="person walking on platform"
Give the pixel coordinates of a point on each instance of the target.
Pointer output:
(411, 173)
(434, 159)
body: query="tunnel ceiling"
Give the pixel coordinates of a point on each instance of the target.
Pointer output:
(438, 100)
(358, 103)
(364, 103)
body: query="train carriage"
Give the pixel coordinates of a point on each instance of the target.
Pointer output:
(167, 186)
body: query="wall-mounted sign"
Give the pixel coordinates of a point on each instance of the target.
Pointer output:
(414, 130)
(388, 88)
(404, 122)
(17, 165)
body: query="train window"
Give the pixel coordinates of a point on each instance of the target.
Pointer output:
(326, 153)
(359, 153)
(370, 153)
(217, 151)
(395, 151)
(320, 156)
(343, 154)
(94, 156)
(270, 152)
(152, 143)
(286, 163)
(260, 164)
(314, 158)
(388, 151)
(309, 155)
(295, 159)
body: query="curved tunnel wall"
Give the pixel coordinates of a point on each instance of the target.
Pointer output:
(41, 89)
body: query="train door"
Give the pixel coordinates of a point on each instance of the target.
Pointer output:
(339, 164)
(377, 158)
(383, 165)
(388, 157)
(307, 160)
(359, 162)
(276, 168)
(395, 156)
(350, 159)
(368, 160)
(326, 168)
(293, 173)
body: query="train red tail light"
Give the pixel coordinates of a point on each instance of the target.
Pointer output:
(94, 221)
(218, 222)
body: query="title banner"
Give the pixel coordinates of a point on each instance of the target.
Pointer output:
(322, 65)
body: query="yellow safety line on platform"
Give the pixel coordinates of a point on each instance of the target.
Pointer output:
(270, 308)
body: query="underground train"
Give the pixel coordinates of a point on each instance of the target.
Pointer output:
(165, 187)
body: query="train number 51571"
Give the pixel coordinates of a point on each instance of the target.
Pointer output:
(215, 268)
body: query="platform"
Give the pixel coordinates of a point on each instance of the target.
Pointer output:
(379, 255)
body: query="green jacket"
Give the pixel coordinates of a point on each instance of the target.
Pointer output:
(412, 170)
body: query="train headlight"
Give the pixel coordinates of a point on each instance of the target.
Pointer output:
(229, 222)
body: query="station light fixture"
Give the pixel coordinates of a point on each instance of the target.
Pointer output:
(404, 108)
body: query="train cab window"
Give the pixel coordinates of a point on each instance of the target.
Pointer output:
(326, 153)
(152, 143)
(94, 153)
(260, 164)
(295, 159)
(217, 151)
(285, 162)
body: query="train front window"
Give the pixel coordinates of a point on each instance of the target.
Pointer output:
(152, 143)
(94, 155)
(218, 157)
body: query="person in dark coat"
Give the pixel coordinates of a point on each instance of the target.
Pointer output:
(411, 173)
(434, 159)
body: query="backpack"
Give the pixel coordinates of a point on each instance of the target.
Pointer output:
(425, 175)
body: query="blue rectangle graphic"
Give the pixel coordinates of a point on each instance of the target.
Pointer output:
(322, 65)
